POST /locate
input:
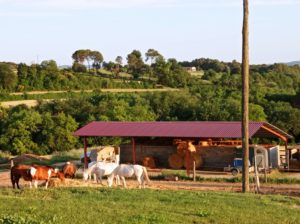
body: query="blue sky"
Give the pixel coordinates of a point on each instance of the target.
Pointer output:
(184, 29)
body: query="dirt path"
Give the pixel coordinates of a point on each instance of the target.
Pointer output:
(285, 189)
(33, 103)
(89, 91)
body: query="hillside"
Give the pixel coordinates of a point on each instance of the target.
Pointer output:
(213, 95)
(293, 63)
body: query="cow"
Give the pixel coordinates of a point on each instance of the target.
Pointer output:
(69, 170)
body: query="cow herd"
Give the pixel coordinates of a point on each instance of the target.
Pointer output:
(113, 171)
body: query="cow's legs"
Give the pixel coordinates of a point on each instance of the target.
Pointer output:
(117, 180)
(124, 182)
(46, 185)
(140, 181)
(35, 183)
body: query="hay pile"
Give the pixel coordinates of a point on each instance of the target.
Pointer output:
(180, 158)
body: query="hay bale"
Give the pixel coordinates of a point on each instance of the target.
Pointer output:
(54, 183)
(103, 153)
(194, 157)
(149, 162)
(175, 161)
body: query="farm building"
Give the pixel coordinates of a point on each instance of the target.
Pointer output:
(165, 144)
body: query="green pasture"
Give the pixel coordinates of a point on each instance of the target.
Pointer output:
(103, 205)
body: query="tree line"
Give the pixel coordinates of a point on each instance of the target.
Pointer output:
(49, 126)
(215, 95)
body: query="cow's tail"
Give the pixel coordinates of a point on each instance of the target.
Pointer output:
(146, 175)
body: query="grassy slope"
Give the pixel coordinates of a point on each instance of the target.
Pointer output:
(102, 205)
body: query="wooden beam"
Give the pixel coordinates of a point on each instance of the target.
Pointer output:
(275, 133)
(85, 154)
(133, 151)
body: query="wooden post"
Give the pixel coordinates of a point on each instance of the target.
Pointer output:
(85, 154)
(133, 151)
(245, 97)
(287, 155)
(257, 184)
(187, 161)
(265, 175)
(194, 170)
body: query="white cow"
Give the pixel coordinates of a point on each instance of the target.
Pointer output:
(125, 170)
(99, 170)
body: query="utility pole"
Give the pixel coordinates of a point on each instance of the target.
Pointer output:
(245, 98)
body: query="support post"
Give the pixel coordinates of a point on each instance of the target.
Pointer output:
(287, 155)
(133, 151)
(257, 184)
(187, 160)
(194, 170)
(85, 154)
(245, 98)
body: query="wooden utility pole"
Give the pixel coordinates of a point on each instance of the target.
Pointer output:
(245, 98)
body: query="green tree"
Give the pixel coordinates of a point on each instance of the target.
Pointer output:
(135, 63)
(8, 77)
(152, 55)
(19, 131)
(97, 59)
(57, 132)
(119, 62)
(49, 65)
(87, 55)
(77, 67)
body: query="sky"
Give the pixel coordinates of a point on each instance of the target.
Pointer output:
(37, 30)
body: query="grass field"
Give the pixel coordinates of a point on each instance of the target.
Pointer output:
(103, 205)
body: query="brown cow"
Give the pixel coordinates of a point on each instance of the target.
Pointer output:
(44, 173)
(18, 171)
(33, 173)
(69, 170)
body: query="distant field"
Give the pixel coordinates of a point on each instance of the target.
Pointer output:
(198, 74)
(103, 205)
(31, 98)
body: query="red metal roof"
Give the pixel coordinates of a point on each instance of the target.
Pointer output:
(189, 129)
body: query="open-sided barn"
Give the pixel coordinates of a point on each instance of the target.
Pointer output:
(217, 142)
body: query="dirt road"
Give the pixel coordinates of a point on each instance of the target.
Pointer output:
(285, 189)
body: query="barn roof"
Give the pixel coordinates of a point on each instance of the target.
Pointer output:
(179, 129)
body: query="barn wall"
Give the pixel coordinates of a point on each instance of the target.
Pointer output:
(217, 157)
(214, 157)
(159, 153)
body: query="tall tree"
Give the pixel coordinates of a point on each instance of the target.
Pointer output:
(8, 77)
(135, 62)
(245, 98)
(119, 61)
(97, 59)
(152, 55)
(81, 56)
